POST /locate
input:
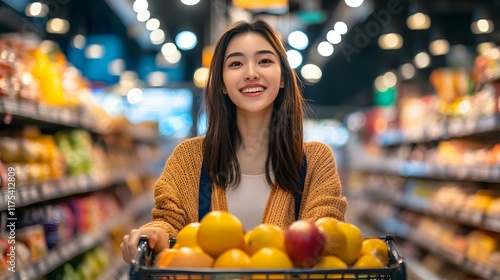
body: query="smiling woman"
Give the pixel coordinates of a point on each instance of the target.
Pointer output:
(253, 148)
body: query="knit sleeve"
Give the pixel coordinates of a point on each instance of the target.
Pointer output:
(323, 190)
(175, 191)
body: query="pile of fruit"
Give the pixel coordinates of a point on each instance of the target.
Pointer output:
(219, 241)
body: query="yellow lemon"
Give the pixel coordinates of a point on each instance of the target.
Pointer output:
(376, 247)
(164, 257)
(329, 262)
(349, 252)
(368, 261)
(218, 232)
(335, 237)
(232, 258)
(265, 235)
(187, 235)
(270, 258)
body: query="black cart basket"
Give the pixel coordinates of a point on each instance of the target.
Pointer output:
(142, 268)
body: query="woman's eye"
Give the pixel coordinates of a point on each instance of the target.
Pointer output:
(235, 63)
(265, 61)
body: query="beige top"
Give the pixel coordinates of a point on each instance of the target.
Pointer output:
(252, 193)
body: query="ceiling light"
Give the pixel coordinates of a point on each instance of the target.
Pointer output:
(380, 84)
(390, 79)
(354, 3)
(134, 96)
(190, 2)
(152, 24)
(418, 21)
(140, 6)
(186, 40)
(298, 40)
(157, 36)
(36, 9)
(200, 77)
(78, 42)
(168, 49)
(311, 73)
(174, 58)
(390, 41)
(333, 36)
(422, 60)
(294, 58)
(325, 49)
(439, 47)
(143, 16)
(340, 27)
(57, 26)
(407, 71)
(482, 26)
(94, 51)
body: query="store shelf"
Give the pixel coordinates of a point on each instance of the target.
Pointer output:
(72, 117)
(37, 113)
(456, 258)
(40, 192)
(475, 219)
(83, 242)
(451, 128)
(429, 244)
(115, 270)
(483, 173)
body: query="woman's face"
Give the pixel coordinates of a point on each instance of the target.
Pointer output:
(252, 73)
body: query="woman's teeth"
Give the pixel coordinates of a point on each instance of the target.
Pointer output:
(252, 90)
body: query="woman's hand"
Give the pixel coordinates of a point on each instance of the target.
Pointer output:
(158, 240)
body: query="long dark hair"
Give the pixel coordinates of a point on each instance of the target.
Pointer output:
(222, 140)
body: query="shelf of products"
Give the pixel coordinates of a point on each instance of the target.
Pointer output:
(80, 184)
(432, 176)
(83, 178)
(454, 127)
(83, 242)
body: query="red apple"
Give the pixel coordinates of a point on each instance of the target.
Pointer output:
(304, 243)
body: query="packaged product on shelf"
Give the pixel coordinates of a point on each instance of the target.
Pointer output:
(34, 237)
(452, 87)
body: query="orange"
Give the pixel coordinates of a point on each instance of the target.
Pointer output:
(246, 237)
(185, 257)
(349, 252)
(335, 237)
(232, 258)
(164, 257)
(265, 235)
(218, 232)
(270, 258)
(329, 262)
(368, 261)
(187, 235)
(190, 257)
(376, 247)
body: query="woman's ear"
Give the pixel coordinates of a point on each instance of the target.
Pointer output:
(282, 83)
(224, 90)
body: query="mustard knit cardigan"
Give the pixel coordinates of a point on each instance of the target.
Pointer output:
(176, 191)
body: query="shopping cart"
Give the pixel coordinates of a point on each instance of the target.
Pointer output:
(142, 268)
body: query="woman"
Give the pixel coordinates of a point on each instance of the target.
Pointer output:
(253, 154)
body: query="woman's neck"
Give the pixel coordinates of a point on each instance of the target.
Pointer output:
(254, 131)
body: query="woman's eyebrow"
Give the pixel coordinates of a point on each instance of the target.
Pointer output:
(257, 52)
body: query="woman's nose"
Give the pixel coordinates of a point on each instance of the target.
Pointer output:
(251, 73)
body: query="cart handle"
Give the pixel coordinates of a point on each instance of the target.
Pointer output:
(145, 255)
